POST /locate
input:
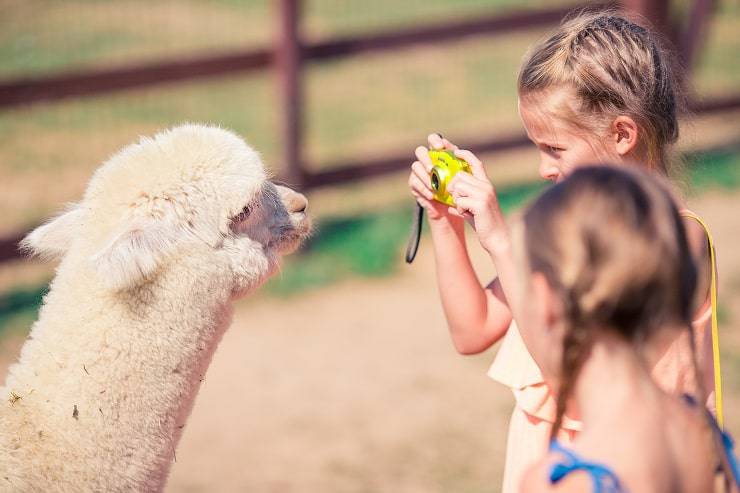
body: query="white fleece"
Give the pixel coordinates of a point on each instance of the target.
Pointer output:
(151, 260)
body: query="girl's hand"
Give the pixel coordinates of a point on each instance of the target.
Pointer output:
(420, 181)
(475, 199)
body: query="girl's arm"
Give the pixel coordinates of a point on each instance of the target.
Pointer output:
(477, 317)
(475, 198)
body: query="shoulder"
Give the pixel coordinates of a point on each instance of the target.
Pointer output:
(696, 234)
(690, 423)
(694, 229)
(698, 239)
(689, 429)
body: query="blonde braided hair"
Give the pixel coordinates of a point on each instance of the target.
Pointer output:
(611, 66)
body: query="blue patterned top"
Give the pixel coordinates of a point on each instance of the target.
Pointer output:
(603, 478)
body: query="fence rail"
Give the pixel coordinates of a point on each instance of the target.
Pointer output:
(91, 82)
(291, 52)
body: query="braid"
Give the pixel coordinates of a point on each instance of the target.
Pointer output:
(576, 343)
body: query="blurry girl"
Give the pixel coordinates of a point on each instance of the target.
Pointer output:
(599, 89)
(589, 323)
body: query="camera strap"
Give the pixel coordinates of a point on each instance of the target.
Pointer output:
(715, 329)
(415, 236)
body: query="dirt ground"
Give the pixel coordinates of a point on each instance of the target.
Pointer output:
(356, 388)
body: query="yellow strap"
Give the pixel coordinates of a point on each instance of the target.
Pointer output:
(715, 335)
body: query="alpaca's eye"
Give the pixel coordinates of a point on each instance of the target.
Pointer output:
(243, 214)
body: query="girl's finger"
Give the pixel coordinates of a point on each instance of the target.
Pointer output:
(469, 186)
(454, 212)
(476, 165)
(419, 170)
(422, 154)
(461, 189)
(436, 141)
(427, 204)
(465, 205)
(449, 145)
(472, 182)
(420, 187)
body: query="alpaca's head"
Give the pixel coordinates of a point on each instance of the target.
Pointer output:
(193, 192)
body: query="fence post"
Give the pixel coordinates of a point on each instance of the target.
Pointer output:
(288, 62)
(692, 37)
(656, 12)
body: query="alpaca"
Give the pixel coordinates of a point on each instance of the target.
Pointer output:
(170, 231)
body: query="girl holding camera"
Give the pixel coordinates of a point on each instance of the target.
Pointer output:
(600, 89)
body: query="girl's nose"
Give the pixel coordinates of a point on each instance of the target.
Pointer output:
(549, 171)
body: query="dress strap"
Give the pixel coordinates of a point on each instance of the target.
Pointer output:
(732, 461)
(715, 331)
(604, 480)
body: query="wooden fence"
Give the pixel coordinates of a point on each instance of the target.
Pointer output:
(289, 55)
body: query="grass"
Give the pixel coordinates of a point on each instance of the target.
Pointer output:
(18, 308)
(715, 169)
(38, 36)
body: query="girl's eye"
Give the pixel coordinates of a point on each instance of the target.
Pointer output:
(554, 149)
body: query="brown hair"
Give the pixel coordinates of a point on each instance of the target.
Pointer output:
(612, 244)
(612, 66)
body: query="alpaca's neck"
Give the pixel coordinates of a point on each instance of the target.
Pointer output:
(124, 370)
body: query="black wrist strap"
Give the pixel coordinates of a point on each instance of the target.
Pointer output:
(415, 236)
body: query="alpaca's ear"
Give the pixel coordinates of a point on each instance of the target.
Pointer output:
(135, 254)
(51, 240)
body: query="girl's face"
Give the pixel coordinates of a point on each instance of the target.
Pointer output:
(562, 147)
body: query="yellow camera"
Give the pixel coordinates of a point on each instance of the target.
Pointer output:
(445, 165)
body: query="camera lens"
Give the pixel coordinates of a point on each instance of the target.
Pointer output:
(435, 181)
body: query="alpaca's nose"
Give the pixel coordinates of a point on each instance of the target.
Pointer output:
(294, 202)
(297, 202)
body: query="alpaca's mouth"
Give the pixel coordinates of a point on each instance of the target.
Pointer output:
(291, 238)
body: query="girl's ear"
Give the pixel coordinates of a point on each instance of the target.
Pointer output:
(51, 240)
(624, 133)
